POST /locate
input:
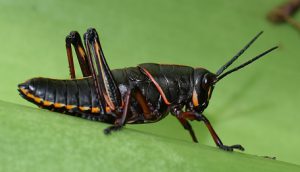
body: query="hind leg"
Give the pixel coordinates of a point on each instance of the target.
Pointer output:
(74, 39)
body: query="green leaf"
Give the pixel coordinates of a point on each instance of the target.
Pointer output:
(39, 140)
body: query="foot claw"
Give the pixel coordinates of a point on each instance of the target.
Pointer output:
(231, 148)
(108, 130)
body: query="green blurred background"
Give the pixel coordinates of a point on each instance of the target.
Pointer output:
(257, 107)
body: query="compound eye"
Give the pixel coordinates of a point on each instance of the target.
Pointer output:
(205, 82)
(208, 81)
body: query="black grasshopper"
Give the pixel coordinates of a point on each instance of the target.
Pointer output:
(133, 95)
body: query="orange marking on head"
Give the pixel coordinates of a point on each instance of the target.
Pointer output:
(47, 103)
(84, 108)
(69, 107)
(157, 86)
(195, 98)
(59, 105)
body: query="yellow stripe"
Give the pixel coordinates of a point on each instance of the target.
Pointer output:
(30, 95)
(59, 105)
(95, 110)
(47, 103)
(84, 108)
(108, 109)
(69, 107)
(24, 91)
(37, 99)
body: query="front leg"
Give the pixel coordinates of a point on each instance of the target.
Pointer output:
(177, 112)
(186, 125)
(217, 140)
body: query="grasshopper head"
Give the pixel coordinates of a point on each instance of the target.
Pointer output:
(203, 86)
(204, 81)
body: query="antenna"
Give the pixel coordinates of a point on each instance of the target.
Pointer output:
(246, 63)
(234, 58)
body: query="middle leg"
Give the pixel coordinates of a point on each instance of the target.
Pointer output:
(121, 120)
